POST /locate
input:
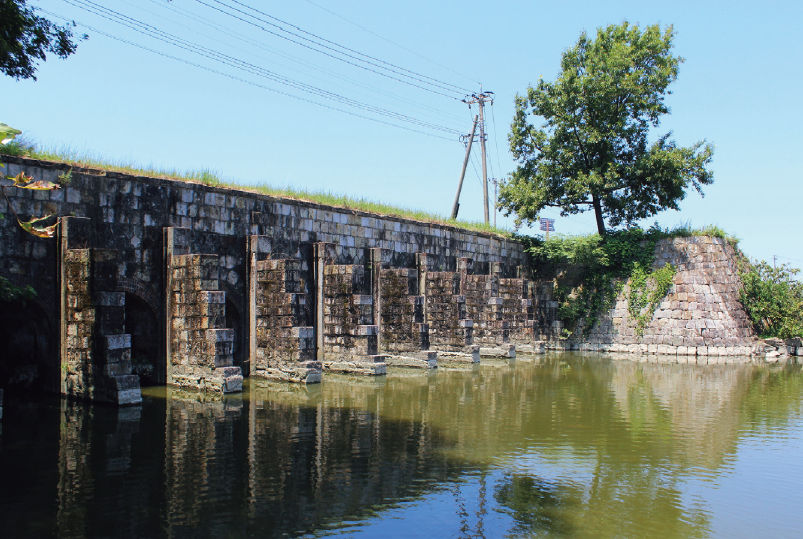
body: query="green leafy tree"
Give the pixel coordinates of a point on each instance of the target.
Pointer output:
(773, 298)
(26, 38)
(592, 150)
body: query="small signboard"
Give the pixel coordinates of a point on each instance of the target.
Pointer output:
(547, 225)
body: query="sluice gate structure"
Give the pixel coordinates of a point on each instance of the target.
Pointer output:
(197, 286)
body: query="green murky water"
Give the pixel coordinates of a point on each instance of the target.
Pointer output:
(558, 446)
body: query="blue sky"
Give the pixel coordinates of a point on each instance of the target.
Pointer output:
(738, 88)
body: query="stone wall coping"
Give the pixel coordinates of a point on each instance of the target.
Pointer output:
(175, 183)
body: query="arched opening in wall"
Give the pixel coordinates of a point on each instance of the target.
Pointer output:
(234, 321)
(29, 359)
(141, 323)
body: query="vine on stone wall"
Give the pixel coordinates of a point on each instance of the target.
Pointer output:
(590, 272)
(647, 289)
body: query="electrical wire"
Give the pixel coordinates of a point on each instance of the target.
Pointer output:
(254, 43)
(412, 73)
(389, 41)
(240, 79)
(155, 33)
(330, 55)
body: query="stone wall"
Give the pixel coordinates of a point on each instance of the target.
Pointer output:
(304, 288)
(96, 362)
(128, 213)
(285, 344)
(201, 347)
(326, 310)
(403, 327)
(701, 314)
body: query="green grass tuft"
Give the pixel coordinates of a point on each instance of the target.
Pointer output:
(86, 159)
(685, 230)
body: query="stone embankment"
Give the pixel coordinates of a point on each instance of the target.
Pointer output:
(201, 286)
(701, 319)
(205, 285)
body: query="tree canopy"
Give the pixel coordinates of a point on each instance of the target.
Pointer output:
(592, 150)
(26, 38)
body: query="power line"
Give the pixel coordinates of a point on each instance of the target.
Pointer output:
(240, 79)
(445, 84)
(330, 55)
(389, 41)
(226, 31)
(155, 33)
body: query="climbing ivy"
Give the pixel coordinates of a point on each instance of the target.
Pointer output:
(590, 272)
(647, 289)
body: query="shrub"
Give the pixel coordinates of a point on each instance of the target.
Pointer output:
(773, 298)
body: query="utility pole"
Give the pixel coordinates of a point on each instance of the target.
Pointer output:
(456, 205)
(480, 100)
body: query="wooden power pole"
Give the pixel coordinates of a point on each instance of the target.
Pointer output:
(480, 99)
(456, 205)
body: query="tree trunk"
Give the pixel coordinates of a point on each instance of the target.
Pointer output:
(598, 213)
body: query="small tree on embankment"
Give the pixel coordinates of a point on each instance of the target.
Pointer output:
(591, 151)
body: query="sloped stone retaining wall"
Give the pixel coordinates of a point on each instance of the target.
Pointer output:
(701, 314)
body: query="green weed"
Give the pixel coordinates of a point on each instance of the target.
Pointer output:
(86, 159)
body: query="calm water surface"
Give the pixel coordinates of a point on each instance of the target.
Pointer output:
(557, 446)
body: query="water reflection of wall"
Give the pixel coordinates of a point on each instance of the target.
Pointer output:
(290, 459)
(701, 405)
(322, 455)
(584, 441)
(203, 462)
(97, 494)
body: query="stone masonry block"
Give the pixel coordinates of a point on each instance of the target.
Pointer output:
(114, 342)
(303, 332)
(109, 299)
(367, 330)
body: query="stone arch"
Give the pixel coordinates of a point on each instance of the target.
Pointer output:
(143, 291)
(142, 322)
(47, 302)
(29, 339)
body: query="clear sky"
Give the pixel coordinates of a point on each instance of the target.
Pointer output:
(739, 88)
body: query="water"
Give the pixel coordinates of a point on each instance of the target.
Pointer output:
(555, 446)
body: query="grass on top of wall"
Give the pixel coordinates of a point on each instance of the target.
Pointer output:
(22, 147)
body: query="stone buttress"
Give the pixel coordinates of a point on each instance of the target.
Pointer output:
(350, 338)
(95, 351)
(444, 308)
(404, 335)
(517, 308)
(200, 347)
(402, 318)
(484, 306)
(285, 345)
